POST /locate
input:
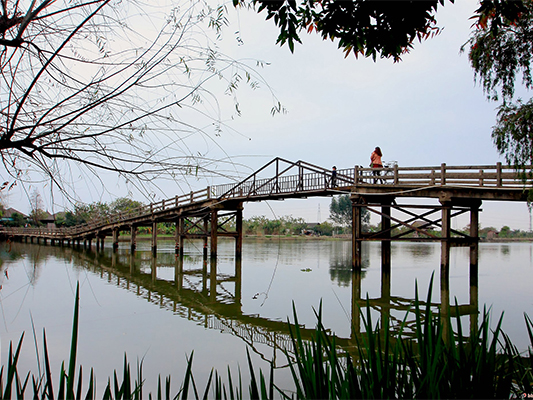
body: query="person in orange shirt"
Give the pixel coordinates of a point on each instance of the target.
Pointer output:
(375, 159)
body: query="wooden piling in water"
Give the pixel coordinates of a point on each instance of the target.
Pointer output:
(238, 238)
(214, 233)
(386, 228)
(116, 234)
(154, 238)
(356, 236)
(133, 238)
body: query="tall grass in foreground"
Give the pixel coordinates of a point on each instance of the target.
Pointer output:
(484, 364)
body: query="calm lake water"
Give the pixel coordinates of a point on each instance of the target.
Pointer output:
(148, 309)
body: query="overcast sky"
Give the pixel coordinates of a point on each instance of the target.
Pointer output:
(423, 111)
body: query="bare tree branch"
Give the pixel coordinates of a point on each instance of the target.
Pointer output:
(104, 85)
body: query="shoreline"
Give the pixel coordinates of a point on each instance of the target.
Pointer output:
(126, 238)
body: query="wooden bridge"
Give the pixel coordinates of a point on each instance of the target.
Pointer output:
(216, 211)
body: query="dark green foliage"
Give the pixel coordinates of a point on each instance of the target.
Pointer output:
(261, 225)
(513, 133)
(123, 204)
(370, 28)
(16, 220)
(340, 211)
(501, 47)
(501, 53)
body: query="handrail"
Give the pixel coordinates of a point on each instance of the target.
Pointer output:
(256, 185)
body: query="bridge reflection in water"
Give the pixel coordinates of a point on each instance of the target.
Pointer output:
(214, 300)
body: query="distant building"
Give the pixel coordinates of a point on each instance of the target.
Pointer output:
(48, 220)
(8, 213)
(492, 235)
(421, 225)
(7, 216)
(310, 229)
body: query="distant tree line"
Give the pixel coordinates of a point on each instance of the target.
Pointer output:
(339, 223)
(505, 233)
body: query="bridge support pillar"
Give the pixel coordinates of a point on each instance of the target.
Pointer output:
(177, 236)
(445, 299)
(154, 238)
(474, 247)
(182, 238)
(206, 229)
(153, 268)
(116, 234)
(386, 229)
(445, 235)
(355, 308)
(356, 236)
(238, 280)
(133, 238)
(214, 233)
(213, 279)
(204, 277)
(132, 263)
(178, 273)
(238, 238)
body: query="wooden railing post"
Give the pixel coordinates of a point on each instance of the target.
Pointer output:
(177, 200)
(192, 196)
(481, 177)
(356, 175)
(208, 192)
(396, 178)
(443, 174)
(499, 174)
(277, 176)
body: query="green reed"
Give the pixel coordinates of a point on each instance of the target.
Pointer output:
(484, 364)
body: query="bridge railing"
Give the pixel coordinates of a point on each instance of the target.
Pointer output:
(138, 212)
(486, 176)
(315, 178)
(146, 210)
(41, 232)
(312, 178)
(309, 177)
